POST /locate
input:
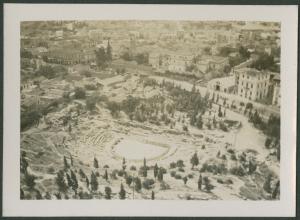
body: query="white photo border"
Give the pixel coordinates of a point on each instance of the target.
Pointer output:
(15, 13)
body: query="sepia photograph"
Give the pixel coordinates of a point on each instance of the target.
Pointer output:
(189, 111)
(150, 110)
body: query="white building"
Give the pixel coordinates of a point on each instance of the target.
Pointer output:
(251, 83)
(276, 91)
(224, 84)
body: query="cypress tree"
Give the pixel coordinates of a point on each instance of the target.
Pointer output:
(107, 192)
(122, 192)
(96, 165)
(94, 182)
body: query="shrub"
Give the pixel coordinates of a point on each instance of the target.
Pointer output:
(79, 93)
(178, 176)
(173, 165)
(190, 175)
(180, 169)
(173, 173)
(133, 168)
(220, 181)
(51, 170)
(238, 171)
(148, 183)
(121, 173)
(180, 163)
(164, 186)
(114, 174)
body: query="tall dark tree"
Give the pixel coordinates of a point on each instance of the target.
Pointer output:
(23, 162)
(87, 182)
(122, 193)
(69, 181)
(71, 158)
(124, 163)
(106, 175)
(155, 170)
(108, 52)
(66, 164)
(200, 182)
(160, 175)
(194, 160)
(22, 194)
(276, 190)
(96, 165)
(38, 195)
(207, 184)
(94, 182)
(101, 58)
(74, 182)
(107, 192)
(138, 184)
(60, 181)
(30, 180)
(145, 165)
(267, 184)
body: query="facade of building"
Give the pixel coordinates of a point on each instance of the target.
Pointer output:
(224, 84)
(276, 92)
(251, 83)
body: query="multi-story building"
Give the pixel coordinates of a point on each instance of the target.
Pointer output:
(276, 91)
(251, 83)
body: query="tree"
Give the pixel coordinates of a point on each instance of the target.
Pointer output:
(267, 184)
(23, 163)
(94, 182)
(107, 192)
(185, 179)
(128, 179)
(74, 182)
(66, 164)
(276, 190)
(200, 182)
(38, 195)
(69, 181)
(145, 165)
(194, 160)
(268, 142)
(79, 93)
(30, 180)
(108, 52)
(155, 170)
(152, 195)
(22, 194)
(106, 175)
(122, 192)
(71, 158)
(138, 184)
(82, 174)
(199, 123)
(60, 181)
(87, 182)
(96, 165)
(124, 163)
(160, 175)
(207, 184)
(220, 112)
(101, 58)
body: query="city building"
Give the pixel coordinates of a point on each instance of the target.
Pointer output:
(224, 84)
(251, 83)
(276, 91)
